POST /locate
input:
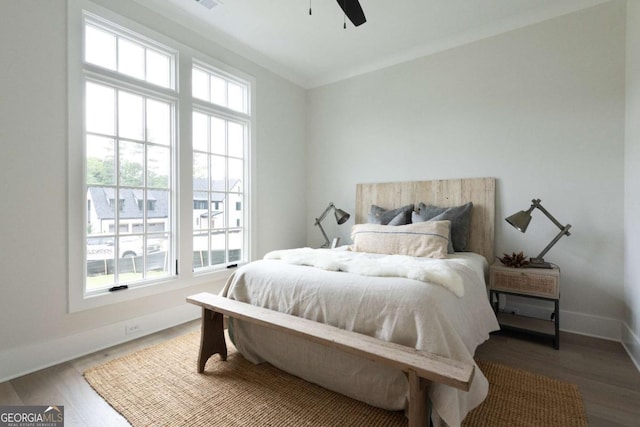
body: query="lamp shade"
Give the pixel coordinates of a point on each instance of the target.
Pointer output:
(520, 220)
(341, 216)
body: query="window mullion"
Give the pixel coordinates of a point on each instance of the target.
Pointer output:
(116, 214)
(144, 62)
(227, 190)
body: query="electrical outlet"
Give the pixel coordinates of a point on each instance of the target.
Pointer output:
(132, 328)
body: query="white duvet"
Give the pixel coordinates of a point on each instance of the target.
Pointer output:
(406, 311)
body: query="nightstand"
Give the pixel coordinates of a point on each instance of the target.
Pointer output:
(538, 283)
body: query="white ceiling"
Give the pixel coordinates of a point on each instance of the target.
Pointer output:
(315, 50)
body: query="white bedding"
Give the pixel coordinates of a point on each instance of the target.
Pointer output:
(422, 269)
(401, 310)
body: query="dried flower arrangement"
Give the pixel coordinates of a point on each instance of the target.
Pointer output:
(515, 260)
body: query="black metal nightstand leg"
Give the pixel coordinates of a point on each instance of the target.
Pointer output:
(495, 305)
(556, 341)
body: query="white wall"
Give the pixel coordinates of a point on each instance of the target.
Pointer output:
(35, 328)
(631, 329)
(540, 108)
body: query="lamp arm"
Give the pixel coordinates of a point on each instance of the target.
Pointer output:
(324, 214)
(318, 223)
(565, 230)
(326, 239)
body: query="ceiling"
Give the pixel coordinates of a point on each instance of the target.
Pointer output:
(315, 50)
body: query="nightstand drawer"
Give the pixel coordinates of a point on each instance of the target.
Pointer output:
(543, 283)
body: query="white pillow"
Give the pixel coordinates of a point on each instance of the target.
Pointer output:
(426, 239)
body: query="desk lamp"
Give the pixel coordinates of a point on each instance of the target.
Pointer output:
(520, 221)
(341, 218)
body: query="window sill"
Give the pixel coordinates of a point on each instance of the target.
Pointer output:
(78, 303)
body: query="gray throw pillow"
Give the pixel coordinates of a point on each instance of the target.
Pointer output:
(400, 216)
(460, 217)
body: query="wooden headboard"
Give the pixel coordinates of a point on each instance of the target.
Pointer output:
(445, 193)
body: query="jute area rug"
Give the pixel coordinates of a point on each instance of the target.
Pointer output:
(159, 386)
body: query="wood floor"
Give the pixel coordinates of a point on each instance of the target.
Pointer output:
(608, 380)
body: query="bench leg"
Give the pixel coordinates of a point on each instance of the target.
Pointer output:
(418, 401)
(211, 337)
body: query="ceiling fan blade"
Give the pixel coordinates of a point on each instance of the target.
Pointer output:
(353, 10)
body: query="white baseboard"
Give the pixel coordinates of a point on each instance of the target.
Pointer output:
(574, 322)
(23, 360)
(631, 343)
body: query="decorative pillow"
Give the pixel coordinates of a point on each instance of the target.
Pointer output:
(416, 218)
(425, 239)
(400, 216)
(460, 217)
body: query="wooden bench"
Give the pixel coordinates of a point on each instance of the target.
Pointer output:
(421, 367)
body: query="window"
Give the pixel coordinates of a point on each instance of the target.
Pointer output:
(199, 204)
(128, 95)
(220, 141)
(129, 142)
(219, 89)
(128, 55)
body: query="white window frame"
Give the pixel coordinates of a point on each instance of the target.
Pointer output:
(186, 57)
(212, 109)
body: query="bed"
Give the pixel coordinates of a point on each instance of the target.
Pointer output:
(422, 311)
